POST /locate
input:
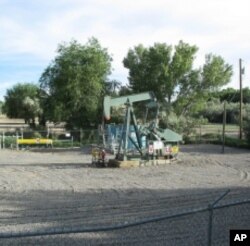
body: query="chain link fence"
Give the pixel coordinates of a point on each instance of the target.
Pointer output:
(212, 133)
(76, 138)
(61, 138)
(107, 225)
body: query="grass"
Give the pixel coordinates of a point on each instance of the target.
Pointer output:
(212, 133)
(218, 127)
(230, 130)
(233, 142)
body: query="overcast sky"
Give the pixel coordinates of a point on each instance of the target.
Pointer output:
(30, 31)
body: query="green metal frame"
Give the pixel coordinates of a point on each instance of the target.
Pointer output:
(129, 119)
(152, 131)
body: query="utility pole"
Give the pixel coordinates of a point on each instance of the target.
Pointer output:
(241, 97)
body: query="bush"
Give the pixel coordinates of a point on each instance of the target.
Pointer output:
(32, 134)
(213, 111)
(65, 144)
(246, 128)
(180, 124)
(211, 136)
(234, 142)
(9, 141)
(205, 138)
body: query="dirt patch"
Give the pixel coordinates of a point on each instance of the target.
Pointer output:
(62, 188)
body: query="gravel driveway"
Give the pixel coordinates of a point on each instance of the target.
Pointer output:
(58, 188)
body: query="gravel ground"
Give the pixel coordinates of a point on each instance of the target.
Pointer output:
(57, 188)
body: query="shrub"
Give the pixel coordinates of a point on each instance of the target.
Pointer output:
(9, 141)
(180, 124)
(32, 134)
(213, 111)
(65, 144)
(246, 128)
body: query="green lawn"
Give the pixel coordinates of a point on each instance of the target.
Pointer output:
(217, 128)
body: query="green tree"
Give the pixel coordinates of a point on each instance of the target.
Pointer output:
(228, 94)
(22, 101)
(169, 73)
(215, 72)
(233, 95)
(196, 86)
(1, 106)
(112, 87)
(156, 68)
(74, 83)
(125, 90)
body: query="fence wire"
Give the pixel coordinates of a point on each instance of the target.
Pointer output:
(60, 137)
(75, 138)
(190, 227)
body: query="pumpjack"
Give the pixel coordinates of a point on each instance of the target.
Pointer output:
(159, 144)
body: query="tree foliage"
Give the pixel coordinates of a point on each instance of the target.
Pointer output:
(22, 101)
(73, 84)
(157, 68)
(112, 87)
(232, 95)
(1, 106)
(213, 111)
(170, 74)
